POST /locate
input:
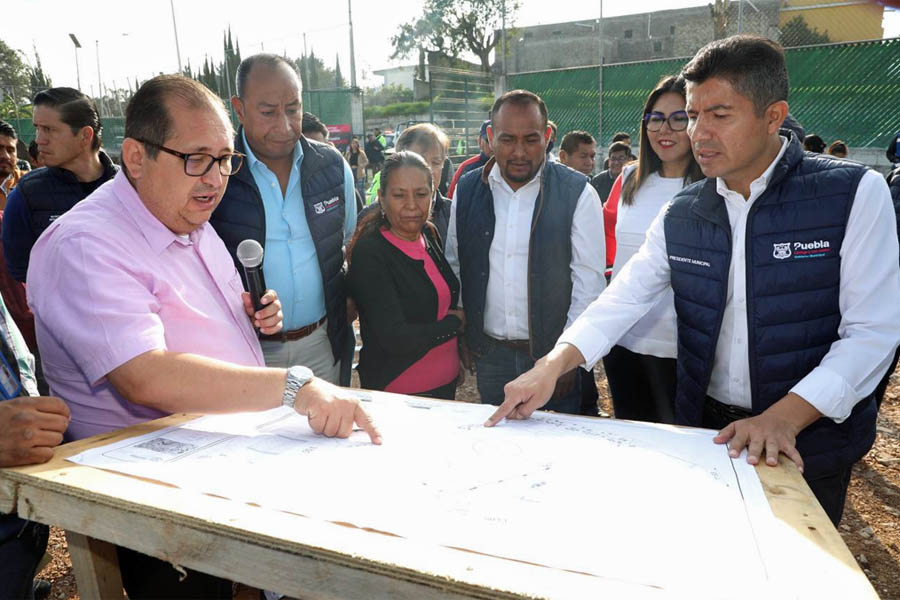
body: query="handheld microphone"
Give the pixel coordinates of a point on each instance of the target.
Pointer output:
(250, 255)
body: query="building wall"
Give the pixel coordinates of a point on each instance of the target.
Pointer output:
(402, 76)
(844, 22)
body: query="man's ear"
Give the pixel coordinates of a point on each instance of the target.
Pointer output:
(238, 105)
(548, 134)
(775, 115)
(87, 136)
(133, 156)
(563, 156)
(490, 135)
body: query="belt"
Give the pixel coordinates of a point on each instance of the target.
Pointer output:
(520, 345)
(294, 334)
(724, 413)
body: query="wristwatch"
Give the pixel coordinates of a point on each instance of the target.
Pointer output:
(297, 377)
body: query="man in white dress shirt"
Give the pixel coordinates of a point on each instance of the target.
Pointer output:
(784, 271)
(526, 239)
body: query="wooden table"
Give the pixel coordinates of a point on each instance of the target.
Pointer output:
(312, 559)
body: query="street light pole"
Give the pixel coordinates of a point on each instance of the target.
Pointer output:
(77, 69)
(352, 52)
(99, 79)
(175, 27)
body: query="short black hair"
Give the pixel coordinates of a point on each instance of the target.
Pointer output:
(33, 149)
(8, 130)
(147, 116)
(753, 65)
(573, 139)
(622, 135)
(520, 98)
(312, 123)
(619, 147)
(814, 143)
(263, 59)
(75, 110)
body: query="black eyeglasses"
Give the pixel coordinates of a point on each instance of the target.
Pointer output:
(198, 164)
(678, 120)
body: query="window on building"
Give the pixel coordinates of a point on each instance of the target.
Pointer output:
(628, 34)
(657, 46)
(528, 35)
(671, 29)
(557, 32)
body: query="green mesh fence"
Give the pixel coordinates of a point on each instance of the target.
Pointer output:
(460, 101)
(331, 106)
(839, 91)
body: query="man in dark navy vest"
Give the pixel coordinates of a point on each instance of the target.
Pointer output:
(296, 197)
(784, 268)
(68, 130)
(523, 240)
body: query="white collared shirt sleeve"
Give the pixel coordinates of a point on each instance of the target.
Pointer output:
(629, 297)
(870, 306)
(588, 252)
(451, 248)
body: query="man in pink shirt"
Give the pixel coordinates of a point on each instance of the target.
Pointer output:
(140, 311)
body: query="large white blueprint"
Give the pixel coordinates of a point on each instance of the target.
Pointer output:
(657, 507)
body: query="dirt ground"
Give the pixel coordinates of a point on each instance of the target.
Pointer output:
(870, 526)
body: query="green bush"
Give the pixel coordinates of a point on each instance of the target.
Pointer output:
(396, 109)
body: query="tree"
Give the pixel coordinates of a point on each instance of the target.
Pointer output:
(452, 27)
(797, 32)
(719, 15)
(338, 78)
(14, 77)
(37, 79)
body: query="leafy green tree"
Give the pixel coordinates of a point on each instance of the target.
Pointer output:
(454, 27)
(338, 78)
(14, 77)
(37, 79)
(797, 32)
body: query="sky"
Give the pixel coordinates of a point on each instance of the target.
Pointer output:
(136, 39)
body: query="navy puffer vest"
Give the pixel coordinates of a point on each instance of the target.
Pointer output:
(794, 235)
(51, 192)
(241, 215)
(549, 253)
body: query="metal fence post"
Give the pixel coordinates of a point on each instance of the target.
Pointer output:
(466, 111)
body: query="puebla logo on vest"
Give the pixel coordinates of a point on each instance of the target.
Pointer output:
(813, 249)
(328, 205)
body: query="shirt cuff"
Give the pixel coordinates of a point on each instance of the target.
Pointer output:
(828, 392)
(592, 344)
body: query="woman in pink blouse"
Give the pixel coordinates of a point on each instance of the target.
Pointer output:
(404, 289)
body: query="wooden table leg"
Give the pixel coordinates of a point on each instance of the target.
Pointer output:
(96, 567)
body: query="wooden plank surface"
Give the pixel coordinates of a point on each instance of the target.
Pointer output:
(306, 557)
(96, 567)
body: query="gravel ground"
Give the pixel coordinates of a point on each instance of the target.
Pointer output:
(870, 526)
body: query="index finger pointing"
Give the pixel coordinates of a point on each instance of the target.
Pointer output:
(508, 406)
(362, 418)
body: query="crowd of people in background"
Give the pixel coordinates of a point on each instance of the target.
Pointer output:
(676, 263)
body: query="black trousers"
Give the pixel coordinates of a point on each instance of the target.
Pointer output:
(20, 553)
(642, 386)
(830, 489)
(148, 578)
(589, 393)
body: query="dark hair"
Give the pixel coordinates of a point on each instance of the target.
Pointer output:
(622, 135)
(424, 135)
(520, 98)
(270, 61)
(33, 150)
(75, 110)
(147, 115)
(619, 147)
(649, 161)
(838, 146)
(7, 130)
(313, 123)
(573, 139)
(753, 65)
(814, 143)
(376, 218)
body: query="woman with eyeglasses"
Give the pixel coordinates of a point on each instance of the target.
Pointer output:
(641, 368)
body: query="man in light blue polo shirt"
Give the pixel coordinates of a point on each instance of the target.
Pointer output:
(296, 198)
